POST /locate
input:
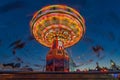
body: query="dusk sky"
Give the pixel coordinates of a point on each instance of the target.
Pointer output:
(102, 19)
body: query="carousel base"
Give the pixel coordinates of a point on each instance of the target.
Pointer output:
(57, 76)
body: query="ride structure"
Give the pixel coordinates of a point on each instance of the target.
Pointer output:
(57, 27)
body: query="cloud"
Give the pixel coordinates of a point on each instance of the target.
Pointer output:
(11, 6)
(15, 43)
(18, 59)
(12, 65)
(30, 38)
(114, 17)
(111, 36)
(88, 40)
(80, 3)
(18, 44)
(38, 65)
(97, 49)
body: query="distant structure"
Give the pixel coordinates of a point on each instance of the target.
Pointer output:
(57, 27)
(98, 68)
(113, 65)
(72, 65)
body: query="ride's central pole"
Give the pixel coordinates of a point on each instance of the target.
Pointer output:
(58, 44)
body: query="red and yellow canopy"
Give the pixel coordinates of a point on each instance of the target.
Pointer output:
(59, 21)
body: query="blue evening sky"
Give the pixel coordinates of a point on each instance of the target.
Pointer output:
(102, 19)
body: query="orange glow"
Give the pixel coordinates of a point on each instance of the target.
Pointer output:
(58, 27)
(68, 26)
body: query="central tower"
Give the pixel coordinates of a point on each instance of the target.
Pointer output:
(57, 27)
